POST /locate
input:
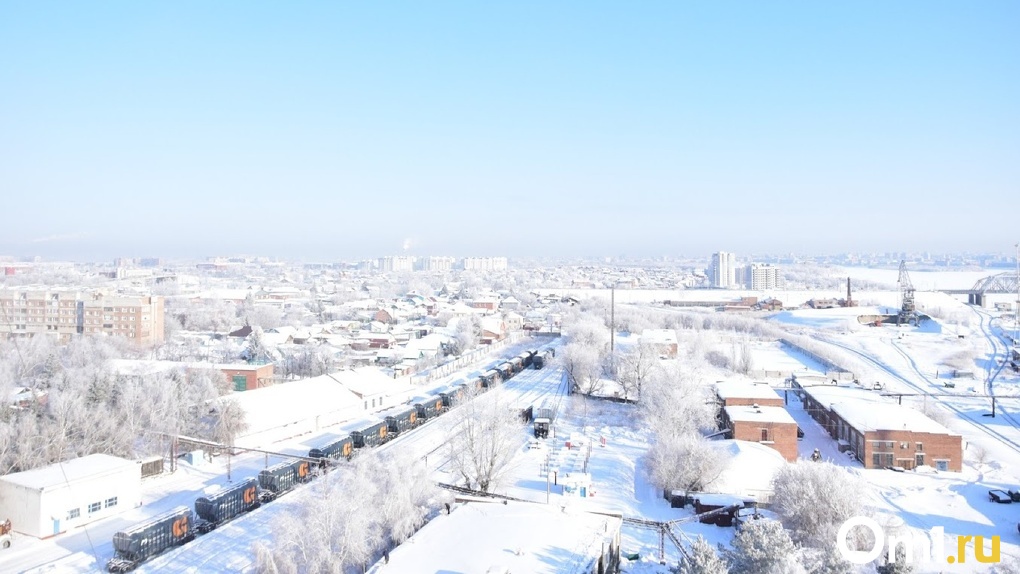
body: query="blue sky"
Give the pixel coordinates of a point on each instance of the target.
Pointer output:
(342, 129)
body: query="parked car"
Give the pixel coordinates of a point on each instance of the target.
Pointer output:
(1000, 496)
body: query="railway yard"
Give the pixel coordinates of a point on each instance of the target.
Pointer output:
(608, 445)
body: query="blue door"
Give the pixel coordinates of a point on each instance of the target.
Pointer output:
(56, 526)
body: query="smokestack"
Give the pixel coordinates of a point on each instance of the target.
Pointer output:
(849, 301)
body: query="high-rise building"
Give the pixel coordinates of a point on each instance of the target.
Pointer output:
(485, 263)
(437, 263)
(722, 272)
(762, 277)
(396, 263)
(63, 314)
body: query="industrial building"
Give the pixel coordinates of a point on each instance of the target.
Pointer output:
(47, 501)
(881, 433)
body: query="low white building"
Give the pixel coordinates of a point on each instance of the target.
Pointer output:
(47, 501)
(486, 536)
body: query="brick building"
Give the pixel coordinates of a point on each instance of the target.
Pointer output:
(740, 393)
(881, 433)
(246, 377)
(754, 412)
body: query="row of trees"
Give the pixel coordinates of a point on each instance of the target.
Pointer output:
(351, 517)
(74, 404)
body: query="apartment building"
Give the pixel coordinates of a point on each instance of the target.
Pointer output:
(63, 314)
(396, 263)
(485, 264)
(722, 272)
(762, 277)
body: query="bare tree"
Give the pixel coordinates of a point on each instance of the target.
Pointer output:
(675, 402)
(634, 367)
(484, 439)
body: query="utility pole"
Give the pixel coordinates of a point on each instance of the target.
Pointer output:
(612, 319)
(1016, 309)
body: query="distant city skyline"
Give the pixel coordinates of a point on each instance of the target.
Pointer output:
(340, 131)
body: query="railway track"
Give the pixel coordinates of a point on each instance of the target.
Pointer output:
(1005, 440)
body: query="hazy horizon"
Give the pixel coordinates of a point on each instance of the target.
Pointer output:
(315, 131)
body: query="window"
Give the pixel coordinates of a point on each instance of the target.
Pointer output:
(94, 507)
(73, 513)
(111, 502)
(942, 465)
(876, 460)
(920, 447)
(919, 459)
(764, 435)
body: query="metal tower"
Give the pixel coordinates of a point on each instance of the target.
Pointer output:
(908, 311)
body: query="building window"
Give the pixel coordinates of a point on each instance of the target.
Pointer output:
(920, 447)
(111, 502)
(73, 513)
(876, 460)
(918, 459)
(942, 465)
(764, 435)
(94, 507)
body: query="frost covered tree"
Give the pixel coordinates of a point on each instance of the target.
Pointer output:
(702, 559)
(634, 367)
(467, 331)
(762, 547)
(814, 498)
(685, 462)
(675, 402)
(484, 438)
(331, 534)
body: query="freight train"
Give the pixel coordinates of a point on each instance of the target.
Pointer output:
(179, 526)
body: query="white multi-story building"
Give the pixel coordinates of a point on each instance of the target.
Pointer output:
(485, 263)
(396, 263)
(722, 272)
(762, 277)
(435, 263)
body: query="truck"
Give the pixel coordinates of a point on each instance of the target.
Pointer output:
(5, 534)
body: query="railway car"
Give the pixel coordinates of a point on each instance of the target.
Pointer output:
(541, 359)
(489, 379)
(226, 504)
(453, 395)
(516, 365)
(505, 370)
(400, 419)
(280, 478)
(526, 359)
(340, 448)
(374, 434)
(145, 540)
(428, 407)
(544, 415)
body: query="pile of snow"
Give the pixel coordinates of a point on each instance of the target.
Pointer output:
(749, 469)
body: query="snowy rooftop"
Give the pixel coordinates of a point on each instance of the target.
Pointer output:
(886, 416)
(659, 336)
(749, 469)
(60, 474)
(745, 390)
(276, 405)
(515, 537)
(759, 414)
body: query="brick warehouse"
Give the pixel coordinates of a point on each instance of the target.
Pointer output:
(754, 412)
(770, 426)
(881, 433)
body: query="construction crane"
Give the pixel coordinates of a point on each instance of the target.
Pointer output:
(908, 310)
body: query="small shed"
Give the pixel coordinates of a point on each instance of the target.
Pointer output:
(47, 501)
